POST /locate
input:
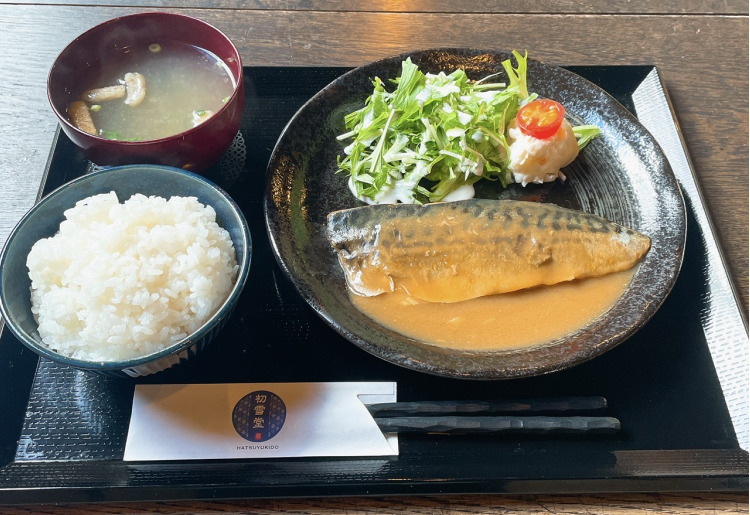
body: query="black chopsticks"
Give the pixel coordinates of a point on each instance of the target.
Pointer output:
(566, 415)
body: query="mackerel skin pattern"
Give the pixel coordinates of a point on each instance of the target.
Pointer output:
(454, 251)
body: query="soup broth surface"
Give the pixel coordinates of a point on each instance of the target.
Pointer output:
(181, 80)
(498, 322)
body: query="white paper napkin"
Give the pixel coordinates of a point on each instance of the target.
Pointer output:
(257, 420)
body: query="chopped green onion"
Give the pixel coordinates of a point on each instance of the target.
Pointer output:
(114, 135)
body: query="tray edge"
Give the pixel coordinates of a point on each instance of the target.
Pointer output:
(723, 323)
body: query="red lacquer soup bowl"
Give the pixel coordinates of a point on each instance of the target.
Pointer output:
(90, 56)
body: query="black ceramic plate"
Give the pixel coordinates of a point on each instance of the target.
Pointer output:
(622, 175)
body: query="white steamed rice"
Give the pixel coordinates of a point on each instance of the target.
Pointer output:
(120, 281)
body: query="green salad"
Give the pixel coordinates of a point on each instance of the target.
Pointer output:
(434, 134)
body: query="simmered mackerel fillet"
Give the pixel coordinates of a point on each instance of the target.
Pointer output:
(453, 251)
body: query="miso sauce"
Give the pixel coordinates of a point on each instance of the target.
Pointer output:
(181, 80)
(498, 322)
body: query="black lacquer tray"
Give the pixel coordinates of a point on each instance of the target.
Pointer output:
(62, 432)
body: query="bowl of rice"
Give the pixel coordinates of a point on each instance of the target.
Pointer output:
(125, 271)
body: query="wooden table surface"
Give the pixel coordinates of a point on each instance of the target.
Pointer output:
(700, 47)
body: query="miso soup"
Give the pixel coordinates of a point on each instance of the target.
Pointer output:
(184, 86)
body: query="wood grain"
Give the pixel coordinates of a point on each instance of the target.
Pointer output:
(700, 47)
(439, 6)
(620, 504)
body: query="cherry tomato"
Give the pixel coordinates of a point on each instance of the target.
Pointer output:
(540, 118)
